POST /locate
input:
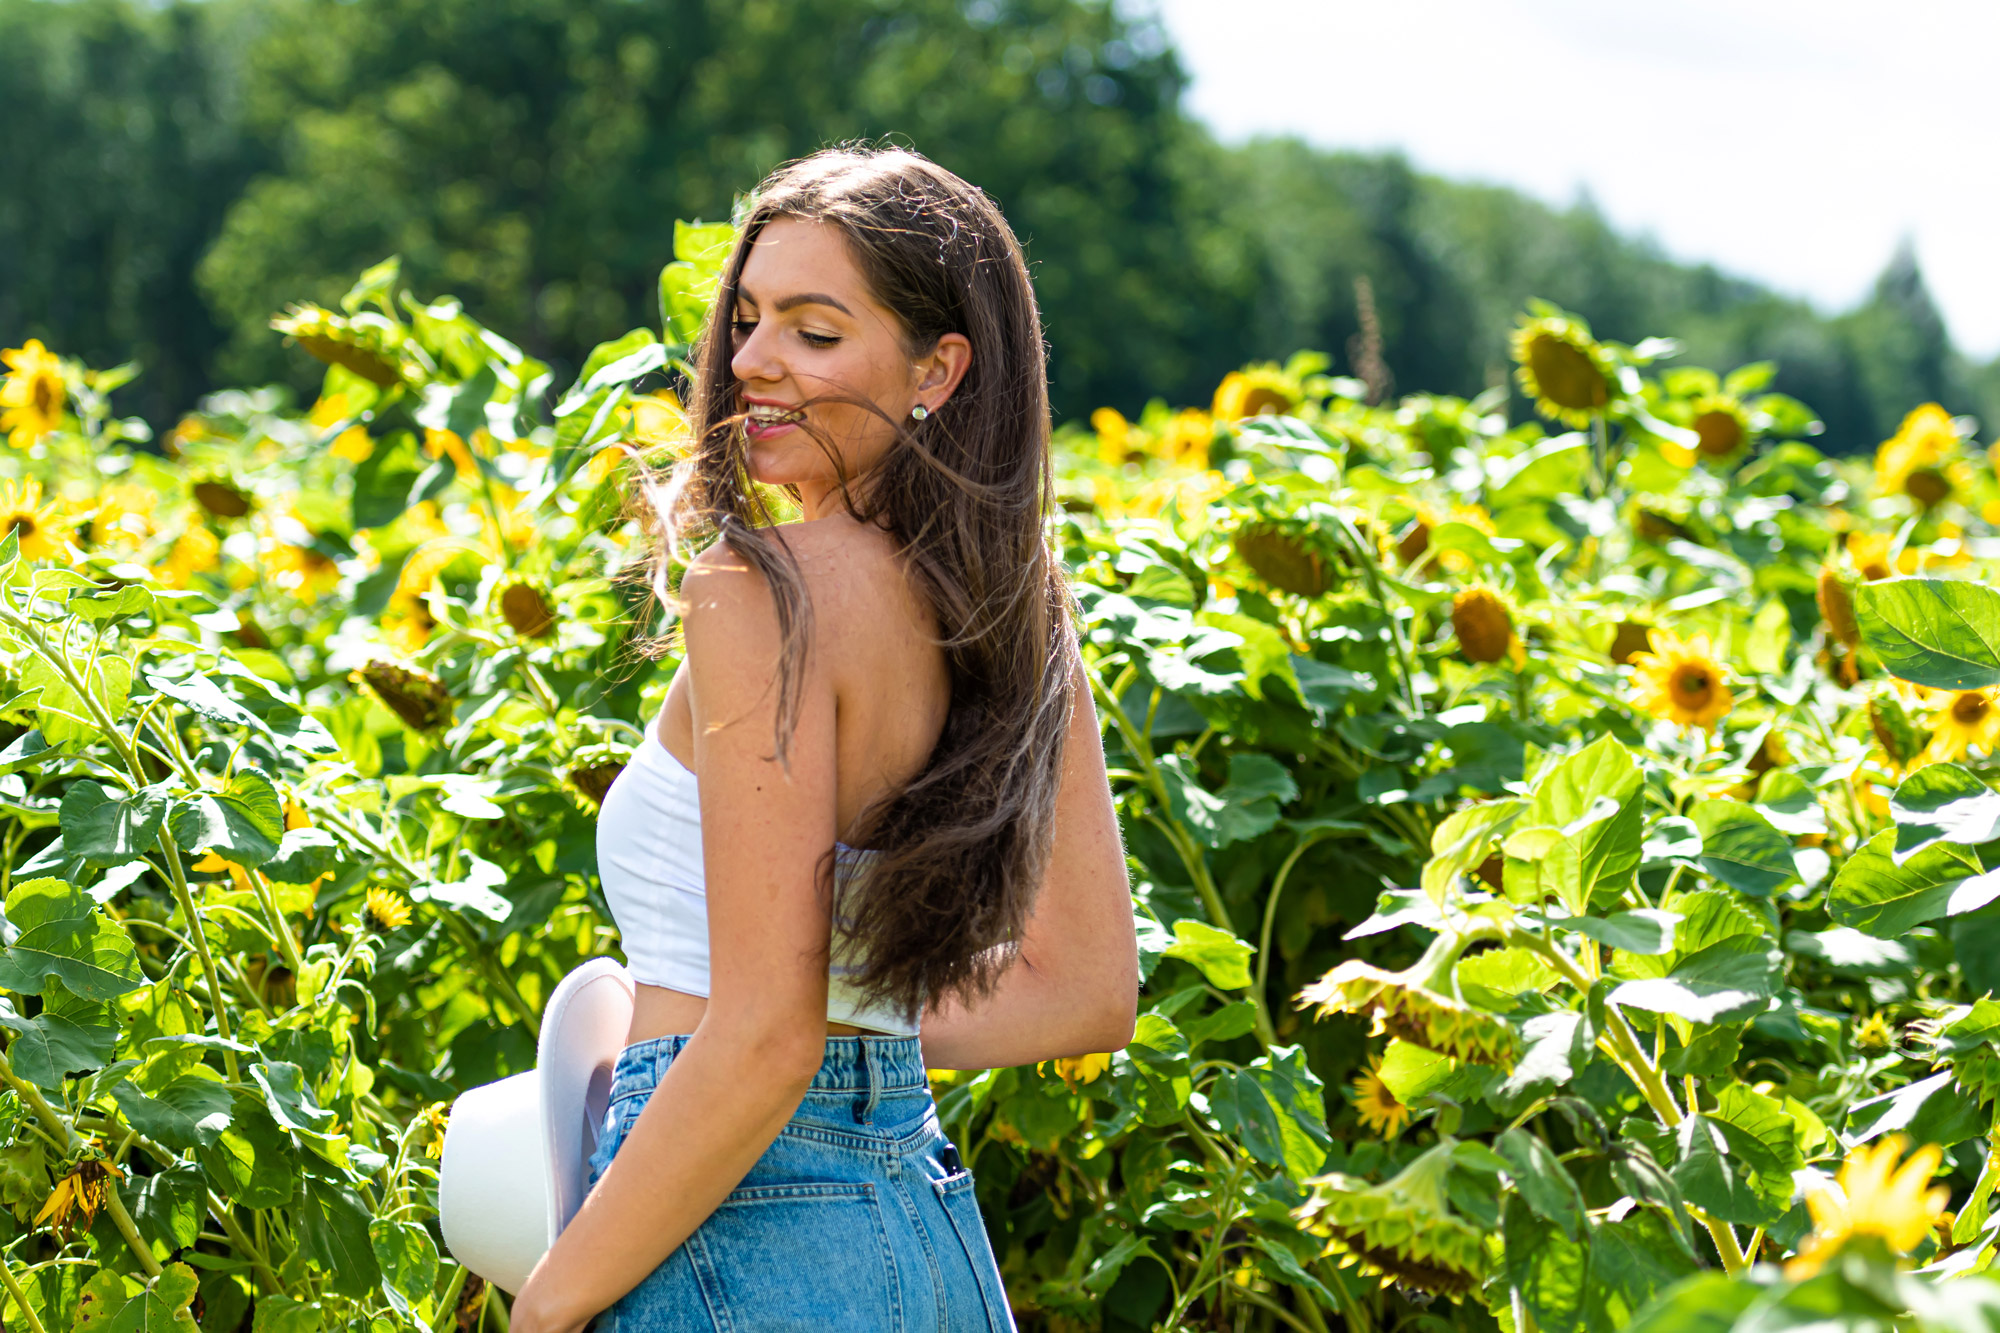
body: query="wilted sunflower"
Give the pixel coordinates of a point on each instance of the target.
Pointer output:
(1836, 607)
(1483, 624)
(1682, 680)
(1403, 1229)
(594, 768)
(1562, 368)
(1874, 1197)
(1719, 425)
(385, 911)
(417, 697)
(33, 393)
(38, 527)
(1255, 391)
(1914, 460)
(367, 344)
(81, 1191)
(1285, 556)
(1420, 1004)
(1968, 720)
(1376, 1104)
(526, 610)
(220, 498)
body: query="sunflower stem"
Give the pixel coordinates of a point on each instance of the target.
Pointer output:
(20, 1297)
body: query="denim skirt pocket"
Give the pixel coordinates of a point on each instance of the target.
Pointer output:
(962, 1207)
(808, 1257)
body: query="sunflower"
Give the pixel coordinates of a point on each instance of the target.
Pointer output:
(1284, 556)
(407, 622)
(124, 510)
(1562, 368)
(438, 443)
(1404, 1228)
(38, 527)
(1719, 425)
(33, 394)
(1114, 435)
(1484, 627)
(1968, 719)
(431, 1122)
(526, 610)
(1185, 439)
(1870, 553)
(1682, 680)
(1914, 460)
(195, 551)
(416, 696)
(1836, 607)
(351, 444)
(384, 911)
(1874, 1034)
(1629, 639)
(1376, 1104)
(81, 1191)
(1420, 1004)
(367, 344)
(1255, 391)
(304, 571)
(1874, 1197)
(1075, 1070)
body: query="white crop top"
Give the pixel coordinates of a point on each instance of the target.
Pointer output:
(649, 860)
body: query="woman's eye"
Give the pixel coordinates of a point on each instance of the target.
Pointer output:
(818, 339)
(742, 328)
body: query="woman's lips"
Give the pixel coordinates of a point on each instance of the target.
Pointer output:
(765, 428)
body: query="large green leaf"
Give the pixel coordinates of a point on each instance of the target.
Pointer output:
(114, 1303)
(189, 1112)
(66, 937)
(244, 822)
(1740, 848)
(1737, 1160)
(1874, 894)
(1542, 1181)
(108, 829)
(52, 1045)
(409, 1262)
(1222, 958)
(1731, 979)
(1931, 1110)
(1943, 803)
(1555, 1046)
(333, 1230)
(1273, 1108)
(1944, 633)
(1591, 802)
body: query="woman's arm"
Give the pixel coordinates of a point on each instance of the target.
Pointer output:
(1073, 989)
(744, 1072)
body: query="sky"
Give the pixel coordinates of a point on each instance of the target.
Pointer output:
(1790, 142)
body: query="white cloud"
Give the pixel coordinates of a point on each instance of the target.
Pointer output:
(1790, 142)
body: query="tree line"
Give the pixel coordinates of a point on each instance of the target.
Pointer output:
(177, 170)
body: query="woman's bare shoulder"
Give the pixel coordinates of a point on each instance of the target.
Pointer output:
(847, 564)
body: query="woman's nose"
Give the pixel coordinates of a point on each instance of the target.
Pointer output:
(756, 358)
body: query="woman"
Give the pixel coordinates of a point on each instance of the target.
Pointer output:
(895, 671)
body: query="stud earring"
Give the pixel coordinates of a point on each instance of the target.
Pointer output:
(919, 412)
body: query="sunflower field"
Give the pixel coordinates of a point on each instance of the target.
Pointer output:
(1558, 829)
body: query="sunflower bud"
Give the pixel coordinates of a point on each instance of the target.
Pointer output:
(418, 697)
(527, 611)
(1416, 539)
(1836, 607)
(1420, 1004)
(1283, 559)
(1403, 1229)
(221, 499)
(1482, 623)
(1900, 738)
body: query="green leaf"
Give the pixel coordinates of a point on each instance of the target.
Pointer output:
(1555, 1046)
(1633, 1262)
(1711, 1053)
(1943, 633)
(333, 1230)
(1222, 958)
(1932, 1110)
(1732, 979)
(1544, 1185)
(1592, 799)
(108, 830)
(1943, 803)
(277, 1313)
(1271, 1107)
(1740, 848)
(1549, 1271)
(1737, 1160)
(1463, 840)
(1875, 894)
(187, 1113)
(52, 1045)
(66, 937)
(244, 822)
(409, 1262)
(1707, 1303)
(169, 1205)
(114, 1303)
(1644, 930)
(254, 1162)
(287, 1097)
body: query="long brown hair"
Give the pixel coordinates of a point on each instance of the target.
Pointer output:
(966, 495)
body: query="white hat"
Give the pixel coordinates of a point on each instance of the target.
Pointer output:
(516, 1150)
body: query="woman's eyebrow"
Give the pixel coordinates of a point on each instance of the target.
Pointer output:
(811, 298)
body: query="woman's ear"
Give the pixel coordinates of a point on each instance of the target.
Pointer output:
(940, 370)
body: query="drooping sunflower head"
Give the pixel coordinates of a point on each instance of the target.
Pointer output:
(1378, 1107)
(1255, 391)
(1403, 1229)
(384, 910)
(1682, 680)
(1559, 365)
(1484, 626)
(1836, 607)
(37, 526)
(1289, 556)
(33, 394)
(416, 696)
(80, 1192)
(526, 610)
(367, 343)
(1968, 720)
(593, 769)
(1874, 1196)
(1415, 1005)
(1720, 425)
(1914, 461)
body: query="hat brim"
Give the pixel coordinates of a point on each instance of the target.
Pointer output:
(584, 1026)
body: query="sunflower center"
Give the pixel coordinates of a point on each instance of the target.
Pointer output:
(46, 394)
(1566, 375)
(1720, 432)
(1968, 709)
(1261, 400)
(22, 525)
(1927, 486)
(1693, 685)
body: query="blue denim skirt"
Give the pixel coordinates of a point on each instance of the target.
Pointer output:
(860, 1215)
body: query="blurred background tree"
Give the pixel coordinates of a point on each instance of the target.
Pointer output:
(179, 170)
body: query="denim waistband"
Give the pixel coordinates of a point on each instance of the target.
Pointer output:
(881, 1064)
